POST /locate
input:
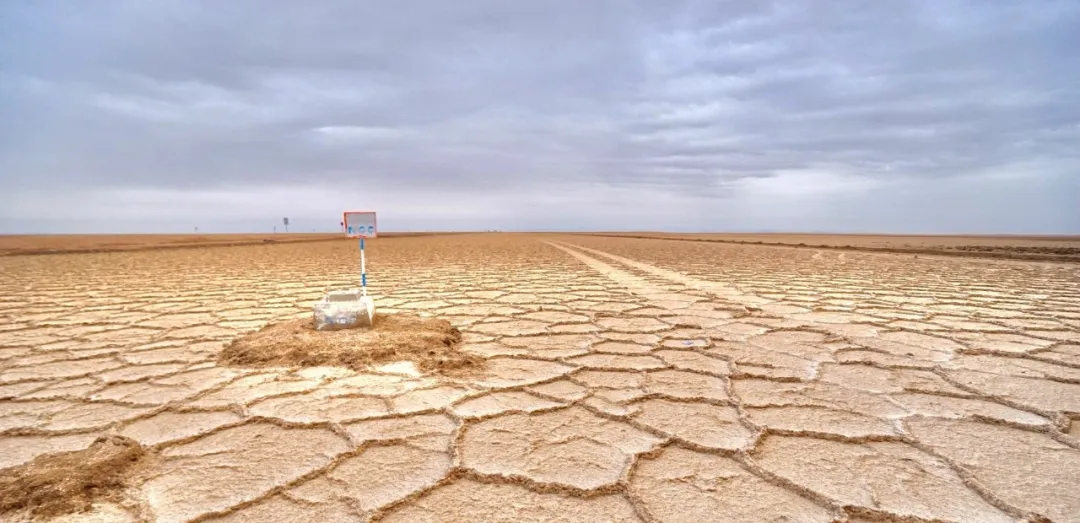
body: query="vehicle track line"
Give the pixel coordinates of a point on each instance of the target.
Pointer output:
(721, 290)
(636, 285)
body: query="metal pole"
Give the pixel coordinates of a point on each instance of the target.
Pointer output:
(363, 269)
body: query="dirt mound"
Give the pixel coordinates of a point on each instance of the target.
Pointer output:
(432, 344)
(68, 482)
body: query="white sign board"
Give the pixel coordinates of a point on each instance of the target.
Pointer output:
(360, 224)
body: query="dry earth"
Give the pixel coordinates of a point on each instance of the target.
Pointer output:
(1047, 248)
(68, 243)
(15, 245)
(627, 380)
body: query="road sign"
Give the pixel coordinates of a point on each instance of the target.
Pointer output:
(360, 224)
(286, 220)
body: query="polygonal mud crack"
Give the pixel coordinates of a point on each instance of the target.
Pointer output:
(951, 356)
(169, 426)
(614, 361)
(1019, 367)
(1026, 469)
(886, 476)
(499, 402)
(682, 486)
(552, 345)
(562, 389)
(377, 477)
(319, 406)
(608, 379)
(62, 416)
(621, 347)
(283, 508)
(874, 379)
(466, 500)
(251, 388)
(686, 385)
(376, 385)
(417, 426)
(819, 420)
(688, 360)
(766, 393)
(1068, 354)
(1041, 394)
(633, 325)
(710, 426)
(514, 372)
(950, 407)
(763, 362)
(556, 317)
(235, 465)
(427, 399)
(510, 328)
(16, 450)
(570, 447)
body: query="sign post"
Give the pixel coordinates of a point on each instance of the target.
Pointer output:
(286, 220)
(350, 308)
(362, 225)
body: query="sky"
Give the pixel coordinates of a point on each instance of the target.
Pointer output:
(898, 116)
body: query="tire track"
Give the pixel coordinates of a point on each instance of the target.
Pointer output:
(720, 290)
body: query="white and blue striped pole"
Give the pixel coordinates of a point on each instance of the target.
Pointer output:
(363, 269)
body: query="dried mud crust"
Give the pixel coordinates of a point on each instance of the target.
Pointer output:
(1053, 249)
(27, 245)
(626, 380)
(69, 482)
(430, 343)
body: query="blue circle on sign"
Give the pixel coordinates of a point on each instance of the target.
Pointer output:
(350, 229)
(370, 228)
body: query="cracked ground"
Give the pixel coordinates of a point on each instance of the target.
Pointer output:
(627, 380)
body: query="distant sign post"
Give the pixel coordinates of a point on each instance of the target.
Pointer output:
(286, 220)
(362, 225)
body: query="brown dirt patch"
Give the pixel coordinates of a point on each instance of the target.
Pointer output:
(69, 482)
(431, 343)
(16, 245)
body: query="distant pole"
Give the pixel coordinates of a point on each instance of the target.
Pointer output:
(363, 269)
(286, 220)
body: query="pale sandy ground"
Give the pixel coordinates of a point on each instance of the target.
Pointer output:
(18, 245)
(1037, 248)
(72, 243)
(629, 380)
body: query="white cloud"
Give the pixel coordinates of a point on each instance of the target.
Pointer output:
(808, 184)
(353, 134)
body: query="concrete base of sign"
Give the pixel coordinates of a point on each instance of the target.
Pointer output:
(346, 309)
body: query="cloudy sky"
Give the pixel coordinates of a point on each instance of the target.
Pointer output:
(803, 115)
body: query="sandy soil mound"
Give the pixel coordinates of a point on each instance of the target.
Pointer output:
(432, 344)
(68, 482)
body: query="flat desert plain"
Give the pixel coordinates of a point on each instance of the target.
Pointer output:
(1046, 247)
(626, 380)
(68, 243)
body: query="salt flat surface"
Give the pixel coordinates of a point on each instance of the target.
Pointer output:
(627, 380)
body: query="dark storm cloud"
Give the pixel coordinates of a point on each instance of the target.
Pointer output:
(704, 98)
